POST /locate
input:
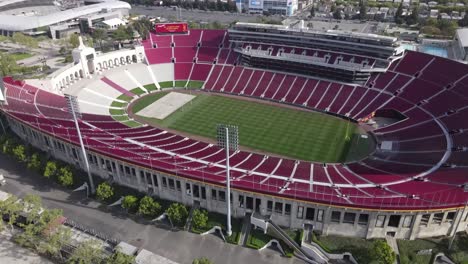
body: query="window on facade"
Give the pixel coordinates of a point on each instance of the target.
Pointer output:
(319, 215)
(222, 196)
(349, 218)
(394, 220)
(241, 201)
(196, 191)
(178, 187)
(287, 209)
(425, 220)
(203, 193)
(164, 180)
(437, 218)
(171, 184)
(450, 217)
(300, 212)
(279, 208)
(363, 219)
(380, 221)
(155, 180)
(148, 178)
(335, 217)
(133, 172)
(310, 212)
(213, 194)
(121, 168)
(407, 221)
(127, 170)
(269, 206)
(188, 190)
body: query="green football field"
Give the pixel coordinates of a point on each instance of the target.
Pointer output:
(294, 133)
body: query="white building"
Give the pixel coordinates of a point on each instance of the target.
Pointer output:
(461, 44)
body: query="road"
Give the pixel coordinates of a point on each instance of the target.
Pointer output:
(179, 246)
(195, 15)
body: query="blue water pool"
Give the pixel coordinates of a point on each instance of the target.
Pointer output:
(434, 50)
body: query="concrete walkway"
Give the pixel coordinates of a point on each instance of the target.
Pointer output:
(13, 253)
(179, 246)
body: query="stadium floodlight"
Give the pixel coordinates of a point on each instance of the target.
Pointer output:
(228, 138)
(74, 109)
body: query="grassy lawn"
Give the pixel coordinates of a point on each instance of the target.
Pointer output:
(113, 111)
(257, 239)
(124, 97)
(359, 247)
(137, 91)
(17, 56)
(131, 123)
(180, 83)
(409, 249)
(295, 234)
(216, 219)
(150, 87)
(297, 134)
(120, 118)
(195, 84)
(168, 84)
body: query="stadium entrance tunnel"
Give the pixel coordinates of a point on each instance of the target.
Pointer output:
(265, 127)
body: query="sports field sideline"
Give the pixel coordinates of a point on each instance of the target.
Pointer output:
(288, 132)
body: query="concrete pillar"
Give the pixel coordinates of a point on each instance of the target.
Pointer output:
(326, 220)
(415, 226)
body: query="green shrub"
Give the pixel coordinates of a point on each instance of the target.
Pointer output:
(148, 207)
(104, 191)
(130, 202)
(50, 169)
(178, 214)
(200, 218)
(65, 177)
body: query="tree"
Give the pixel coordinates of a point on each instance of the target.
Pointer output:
(337, 14)
(143, 27)
(413, 17)
(100, 35)
(34, 162)
(87, 252)
(464, 21)
(12, 208)
(7, 64)
(121, 34)
(382, 253)
(200, 218)
(119, 258)
(50, 169)
(74, 40)
(65, 177)
(312, 11)
(52, 243)
(177, 213)
(202, 260)
(399, 14)
(33, 205)
(104, 191)
(129, 202)
(24, 40)
(148, 207)
(19, 152)
(362, 10)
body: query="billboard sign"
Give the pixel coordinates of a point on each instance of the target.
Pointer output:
(256, 4)
(168, 28)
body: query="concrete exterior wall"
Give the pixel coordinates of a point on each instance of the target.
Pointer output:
(323, 218)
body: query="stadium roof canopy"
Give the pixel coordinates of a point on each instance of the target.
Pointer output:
(23, 23)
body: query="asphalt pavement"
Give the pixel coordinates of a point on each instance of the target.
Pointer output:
(179, 246)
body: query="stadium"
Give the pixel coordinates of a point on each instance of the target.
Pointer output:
(345, 133)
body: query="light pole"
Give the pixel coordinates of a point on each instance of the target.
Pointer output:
(74, 109)
(228, 138)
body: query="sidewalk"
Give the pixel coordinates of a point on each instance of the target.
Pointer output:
(13, 253)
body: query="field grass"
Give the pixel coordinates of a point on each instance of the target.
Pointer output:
(150, 87)
(297, 134)
(137, 91)
(180, 83)
(147, 100)
(360, 248)
(168, 84)
(194, 84)
(258, 239)
(17, 56)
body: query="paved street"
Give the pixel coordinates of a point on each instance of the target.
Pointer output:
(12, 253)
(179, 246)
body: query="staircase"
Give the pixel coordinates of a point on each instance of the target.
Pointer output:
(246, 226)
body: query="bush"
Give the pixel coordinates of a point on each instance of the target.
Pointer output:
(35, 162)
(199, 218)
(19, 152)
(201, 261)
(148, 207)
(382, 252)
(104, 191)
(177, 213)
(130, 202)
(50, 169)
(65, 177)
